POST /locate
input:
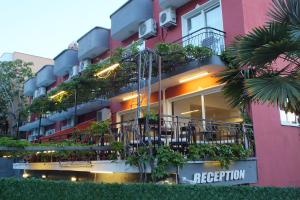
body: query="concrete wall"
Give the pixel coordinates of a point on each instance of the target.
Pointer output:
(6, 168)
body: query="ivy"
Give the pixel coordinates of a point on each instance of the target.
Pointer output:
(224, 153)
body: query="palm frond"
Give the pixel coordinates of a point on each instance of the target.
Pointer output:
(276, 90)
(264, 44)
(285, 11)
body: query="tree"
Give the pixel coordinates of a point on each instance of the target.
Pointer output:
(264, 65)
(12, 101)
(41, 106)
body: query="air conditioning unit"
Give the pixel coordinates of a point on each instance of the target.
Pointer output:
(42, 91)
(36, 93)
(147, 29)
(50, 132)
(103, 114)
(83, 64)
(167, 17)
(74, 71)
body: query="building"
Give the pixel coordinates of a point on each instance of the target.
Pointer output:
(191, 91)
(37, 61)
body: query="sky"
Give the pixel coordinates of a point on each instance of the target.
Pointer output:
(46, 27)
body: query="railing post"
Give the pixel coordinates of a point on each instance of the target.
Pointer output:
(246, 142)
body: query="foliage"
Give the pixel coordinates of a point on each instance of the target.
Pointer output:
(174, 54)
(42, 105)
(151, 116)
(224, 153)
(197, 52)
(12, 99)
(14, 189)
(140, 158)
(117, 150)
(90, 87)
(100, 127)
(166, 157)
(264, 65)
(10, 142)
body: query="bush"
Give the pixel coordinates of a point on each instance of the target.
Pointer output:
(224, 153)
(11, 189)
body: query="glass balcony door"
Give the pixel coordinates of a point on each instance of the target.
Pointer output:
(203, 27)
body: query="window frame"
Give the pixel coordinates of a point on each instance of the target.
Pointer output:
(211, 4)
(283, 121)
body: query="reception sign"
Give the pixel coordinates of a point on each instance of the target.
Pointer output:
(210, 172)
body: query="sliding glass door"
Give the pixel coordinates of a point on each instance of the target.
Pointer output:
(211, 107)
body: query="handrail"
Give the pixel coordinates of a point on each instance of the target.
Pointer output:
(204, 28)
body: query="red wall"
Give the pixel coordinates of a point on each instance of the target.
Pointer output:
(277, 146)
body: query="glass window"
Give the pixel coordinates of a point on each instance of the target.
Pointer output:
(288, 118)
(215, 108)
(214, 18)
(218, 109)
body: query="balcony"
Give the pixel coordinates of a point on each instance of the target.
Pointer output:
(65, 61)
(81, 109)
(30, 86)
(126, 20)
(93, 43)
(32, 125)
(45, 76)
(181, 64)
(172, 3)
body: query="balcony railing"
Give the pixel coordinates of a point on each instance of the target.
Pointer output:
(179, 133)
(205, 37)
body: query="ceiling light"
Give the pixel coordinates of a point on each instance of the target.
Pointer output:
(130, 97)
(101, 172)
(193, 77)
(189, 112)
(107, 70)
(58, 94)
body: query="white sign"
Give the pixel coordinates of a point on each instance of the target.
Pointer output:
(219, 176)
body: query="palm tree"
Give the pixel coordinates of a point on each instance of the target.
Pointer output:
(264, 65)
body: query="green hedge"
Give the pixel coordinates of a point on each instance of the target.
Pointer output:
(12, 189)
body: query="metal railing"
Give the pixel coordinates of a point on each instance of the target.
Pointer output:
(179, 133)
(205, 37)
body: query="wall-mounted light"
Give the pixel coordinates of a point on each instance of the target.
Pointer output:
(25, 175)
(44, 176)
(107, 70)
(193, 77)
(130, 97)
(189, 112)
(73, 178)
(101, 172)
(58, 94)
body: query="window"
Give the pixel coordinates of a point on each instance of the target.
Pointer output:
(211, 106)
(288, 118)
(203, 26)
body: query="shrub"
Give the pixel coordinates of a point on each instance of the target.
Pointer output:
(12, 189)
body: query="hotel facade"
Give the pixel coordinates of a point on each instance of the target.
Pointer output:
(190, 92)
